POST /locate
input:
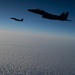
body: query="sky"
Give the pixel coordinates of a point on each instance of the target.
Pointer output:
(34, 23)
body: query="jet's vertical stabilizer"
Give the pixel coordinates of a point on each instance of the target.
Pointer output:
(66, 15)
(22, 19)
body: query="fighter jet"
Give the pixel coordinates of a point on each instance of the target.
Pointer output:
(46, 15)
(17, 19)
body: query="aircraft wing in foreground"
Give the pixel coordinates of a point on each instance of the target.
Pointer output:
(62, 17)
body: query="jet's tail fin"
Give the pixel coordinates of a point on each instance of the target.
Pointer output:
(64, 15)
(22, 19)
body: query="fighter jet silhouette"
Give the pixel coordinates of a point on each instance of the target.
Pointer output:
(62, 17)
(17, 19)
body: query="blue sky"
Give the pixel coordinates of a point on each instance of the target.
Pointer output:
(35, 23)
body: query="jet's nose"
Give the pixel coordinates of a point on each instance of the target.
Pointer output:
(30, 10)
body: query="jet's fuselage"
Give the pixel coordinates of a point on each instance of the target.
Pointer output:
(47, 15)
